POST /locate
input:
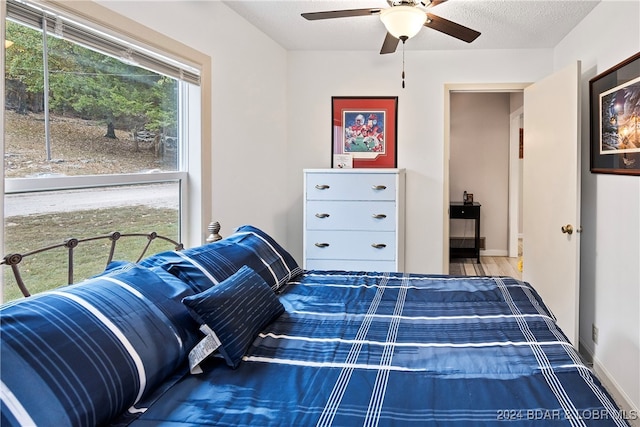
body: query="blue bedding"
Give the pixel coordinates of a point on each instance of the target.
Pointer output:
(392, 349)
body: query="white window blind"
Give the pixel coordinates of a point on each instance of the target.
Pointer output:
(94, 38)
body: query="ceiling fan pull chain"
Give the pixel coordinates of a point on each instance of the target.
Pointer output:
(404, 39)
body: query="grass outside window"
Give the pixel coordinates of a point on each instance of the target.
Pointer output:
(48, 270)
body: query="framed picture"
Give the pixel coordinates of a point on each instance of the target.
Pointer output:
(614, 101)
(364, 132)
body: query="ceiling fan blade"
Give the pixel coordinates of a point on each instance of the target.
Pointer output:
(451, 28)
(389, 45)
(434, 3)
(312, 16)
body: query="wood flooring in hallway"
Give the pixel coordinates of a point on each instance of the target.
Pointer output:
(490, 266)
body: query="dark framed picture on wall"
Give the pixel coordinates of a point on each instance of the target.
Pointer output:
(614, 101)
(364, 132)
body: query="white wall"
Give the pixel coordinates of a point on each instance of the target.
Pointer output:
(271, 116)
(316, 76)
(479, 164)
(249, 74)
(610, 249)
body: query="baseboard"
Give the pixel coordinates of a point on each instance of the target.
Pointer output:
(466, 242)
(630, 412)
(494, 252)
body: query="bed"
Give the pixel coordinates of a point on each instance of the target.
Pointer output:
(344, 348)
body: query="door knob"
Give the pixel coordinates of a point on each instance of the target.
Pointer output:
(567, 229)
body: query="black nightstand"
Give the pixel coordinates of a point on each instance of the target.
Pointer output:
(459, 210)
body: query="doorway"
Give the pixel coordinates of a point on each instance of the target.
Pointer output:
(498, 187)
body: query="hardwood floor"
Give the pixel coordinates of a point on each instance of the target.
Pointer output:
(491, 266)
(502, 266)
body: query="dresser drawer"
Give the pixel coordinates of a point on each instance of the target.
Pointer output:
(361, 186)
(464, 211)
(350, 245)
(347, 215)
(353, 219)
(350, 265)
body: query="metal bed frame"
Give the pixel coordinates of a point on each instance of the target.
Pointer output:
(13, 260)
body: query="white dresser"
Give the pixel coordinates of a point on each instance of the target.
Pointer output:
(354, 219)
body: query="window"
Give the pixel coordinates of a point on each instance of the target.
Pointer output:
(92, 121)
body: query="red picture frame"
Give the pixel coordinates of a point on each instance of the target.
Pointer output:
(364, 129)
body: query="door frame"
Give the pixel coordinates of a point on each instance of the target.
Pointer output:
(515, 182)
(464, 87)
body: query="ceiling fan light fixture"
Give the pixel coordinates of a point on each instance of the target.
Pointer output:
(403, 21)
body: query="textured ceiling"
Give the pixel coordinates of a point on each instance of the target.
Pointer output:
(504, 24)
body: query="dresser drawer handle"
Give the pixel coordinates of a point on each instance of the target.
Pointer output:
(322, 187)
(378, 245)
(322, 215)
(379, 216)
(379, 187)
(322, 245)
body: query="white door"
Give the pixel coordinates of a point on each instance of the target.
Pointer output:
(551, 187)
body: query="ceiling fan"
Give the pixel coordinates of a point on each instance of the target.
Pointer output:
(403, 20)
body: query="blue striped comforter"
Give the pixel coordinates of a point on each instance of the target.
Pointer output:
(379, 349)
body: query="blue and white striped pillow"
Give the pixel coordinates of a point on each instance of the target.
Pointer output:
(208, 265)
(236, 310)
(84, 353)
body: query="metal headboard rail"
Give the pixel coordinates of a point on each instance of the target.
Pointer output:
(14, 260)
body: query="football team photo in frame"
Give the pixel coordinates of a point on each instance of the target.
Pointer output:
(614, 102)
(364, 132)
